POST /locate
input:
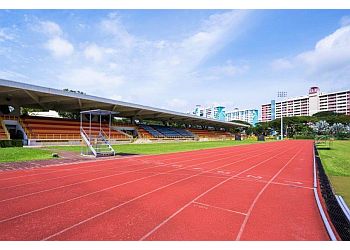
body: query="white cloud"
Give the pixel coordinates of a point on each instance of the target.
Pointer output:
(9, 74)
(328, 61)
(59, 47)
(177, 103)
(144, 70)
(170, 62)
(50, 28)
(97, 82)
(94, 52)
(113, 26)
(228, 69)
(5, 35)
(281, 64)
(330, 53)
(152, 68)
(56, 43)
(345, 20)
(215, 32)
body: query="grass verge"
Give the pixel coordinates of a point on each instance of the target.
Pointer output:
(16, 154)
(23, 154)
(336, 162)
(163, 148)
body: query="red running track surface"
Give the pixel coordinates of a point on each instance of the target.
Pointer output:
(251, 192)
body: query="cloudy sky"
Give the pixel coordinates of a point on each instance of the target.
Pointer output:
(176, 59)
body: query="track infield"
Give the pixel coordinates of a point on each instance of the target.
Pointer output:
(249, 192)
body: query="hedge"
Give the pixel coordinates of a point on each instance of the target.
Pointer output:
(11, 143)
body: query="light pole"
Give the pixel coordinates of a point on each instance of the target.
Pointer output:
(282, 94)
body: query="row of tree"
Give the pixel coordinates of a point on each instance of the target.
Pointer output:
(322, 123)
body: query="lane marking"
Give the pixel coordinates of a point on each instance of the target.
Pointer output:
(240, 232)
(204, 193)
(66, 201)
(254, 177)
(131, 200)
(89, 163)
(101, 177)
(220, 208)
(294, 182)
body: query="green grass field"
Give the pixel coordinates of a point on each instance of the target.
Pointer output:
(336, 162)
(162, 148)
(26, 154)
(23, 154)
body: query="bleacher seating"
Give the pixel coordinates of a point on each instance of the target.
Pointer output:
(142, 133)
(3, 135)
(167, 131)
(163, 132)
(43, 128)
(183, 132)
(152, 131)
(57, 129)
(211, 134)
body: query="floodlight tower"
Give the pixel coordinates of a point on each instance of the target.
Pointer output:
(282, 94)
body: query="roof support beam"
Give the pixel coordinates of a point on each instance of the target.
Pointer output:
(35, 98)
(8, 91)
(80, 105)
(27, 95)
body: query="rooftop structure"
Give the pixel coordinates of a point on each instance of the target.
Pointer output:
(19, 95)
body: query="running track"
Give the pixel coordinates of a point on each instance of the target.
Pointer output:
(250, 192)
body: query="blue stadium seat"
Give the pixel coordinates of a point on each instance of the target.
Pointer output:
(159, 131)
(152, 131)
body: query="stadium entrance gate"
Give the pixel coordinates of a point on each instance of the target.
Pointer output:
(95, 141)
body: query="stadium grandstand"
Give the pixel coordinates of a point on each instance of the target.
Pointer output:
(135, 122)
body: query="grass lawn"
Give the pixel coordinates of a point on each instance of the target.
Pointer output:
(23, 154)
(336, 162)
(162, 148)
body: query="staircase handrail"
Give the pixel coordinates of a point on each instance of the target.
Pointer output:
(86, 139)
(104, 136)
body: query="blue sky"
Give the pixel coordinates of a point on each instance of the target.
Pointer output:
(175, 59)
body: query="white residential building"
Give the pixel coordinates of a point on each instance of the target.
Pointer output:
(308, 105)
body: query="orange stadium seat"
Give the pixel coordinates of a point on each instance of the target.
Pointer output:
(64, 129)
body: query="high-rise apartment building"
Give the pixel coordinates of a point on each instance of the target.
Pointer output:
(307, 105)
(217, 112)
(247, 115)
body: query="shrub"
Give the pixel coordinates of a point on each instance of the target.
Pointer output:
(11, 143)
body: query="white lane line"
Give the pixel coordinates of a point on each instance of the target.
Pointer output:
(294, 182)
(204, 193)
(220, 208)
(240, 232)
(101, 177)
(102, 161)
(254, 177)
(72, 184)
(98, 191)
(136, 198)
(70, 175)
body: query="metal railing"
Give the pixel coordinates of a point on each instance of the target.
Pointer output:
(85, 138)
(10, 117)
(103, 137)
